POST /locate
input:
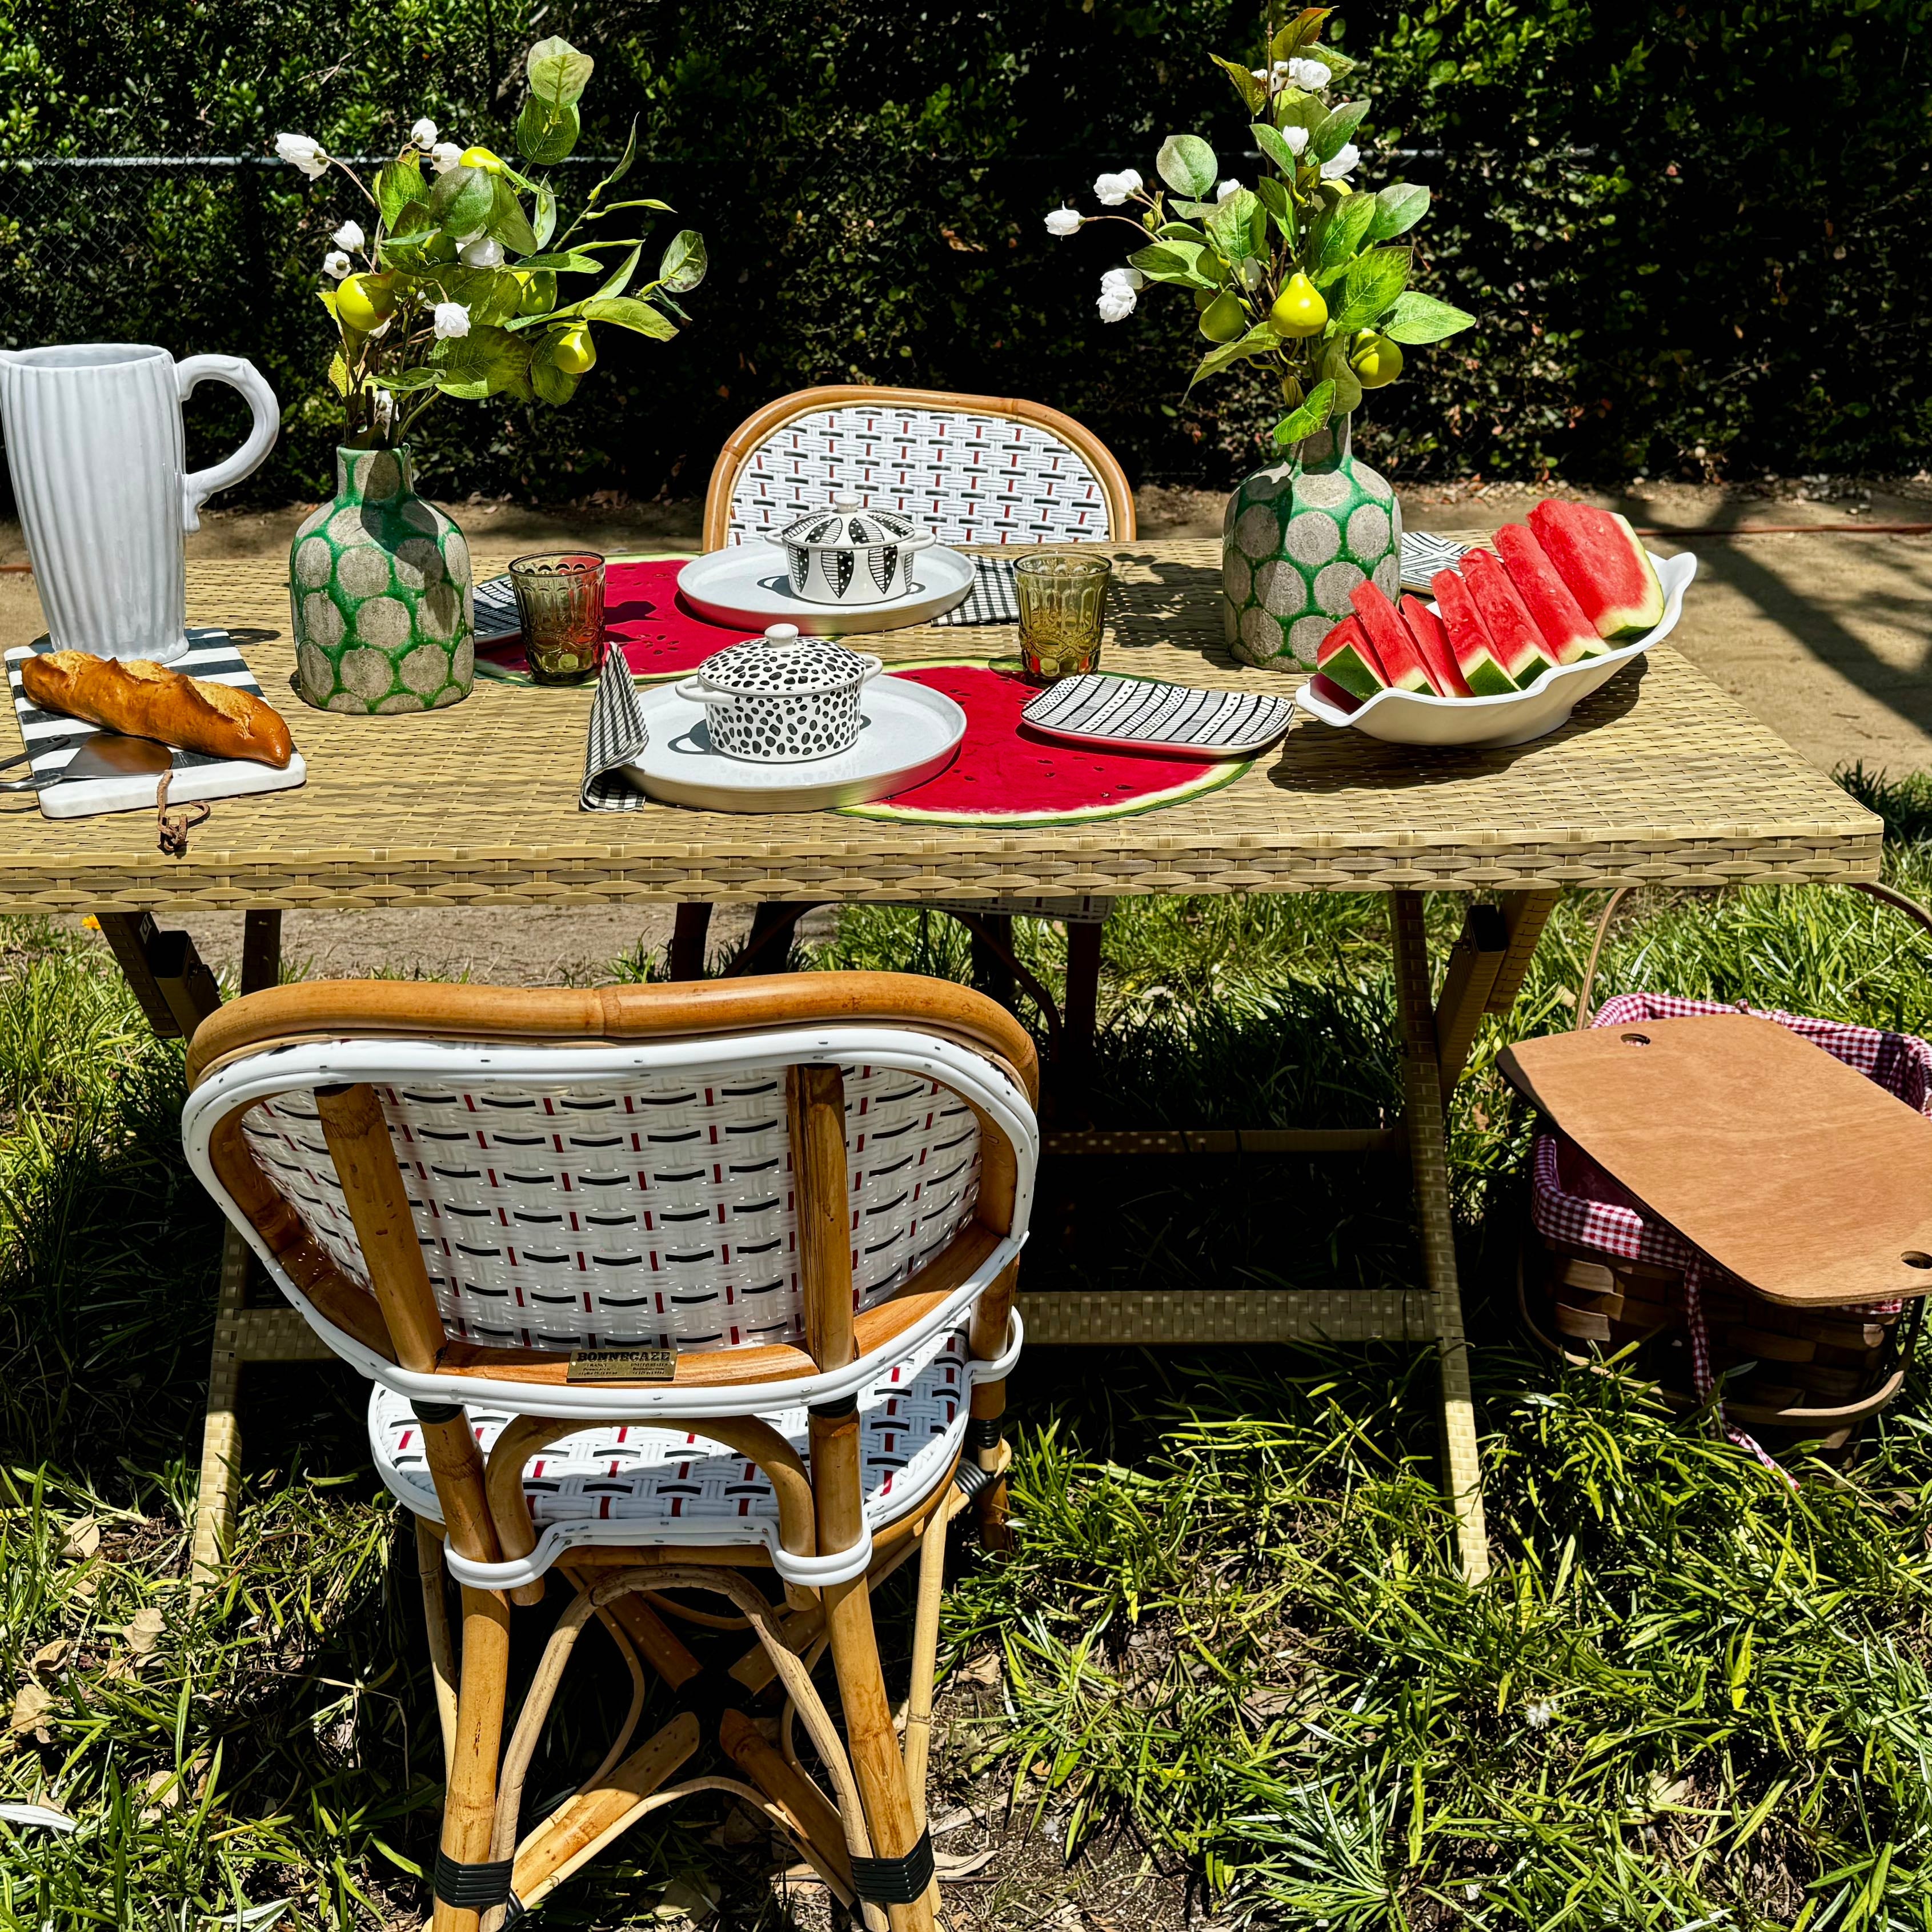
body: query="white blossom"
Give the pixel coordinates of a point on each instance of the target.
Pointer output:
(299, 151)
(1112, 189)
(381, 328)
(1064, 221)
(451, 319)
(336, 263)
(348, 235)
(423, 135)
(1228, 187)
(1119, 289)
(1297, 139)
(1536, 1716)
(1310, 74)
(445, 154)
(484, 252)
(1346, 156)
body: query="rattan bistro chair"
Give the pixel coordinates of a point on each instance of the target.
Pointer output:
(655, 1286)
(975, 470)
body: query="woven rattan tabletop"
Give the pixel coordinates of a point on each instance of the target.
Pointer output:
(1660, 778)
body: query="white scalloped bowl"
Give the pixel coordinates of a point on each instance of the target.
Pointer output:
(1411, 718)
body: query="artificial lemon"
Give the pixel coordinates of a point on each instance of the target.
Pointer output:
(1299, 309)
(481, 157)
(363, 302)
(1376, 361)
(1224, 318)
(539, 291)
(572, 350)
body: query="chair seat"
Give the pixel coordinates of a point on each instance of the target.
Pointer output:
(633, 1483)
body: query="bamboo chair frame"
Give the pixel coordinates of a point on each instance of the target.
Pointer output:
(868, 1838)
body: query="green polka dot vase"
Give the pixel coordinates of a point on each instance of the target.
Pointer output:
(380, 595)
(1299, 536)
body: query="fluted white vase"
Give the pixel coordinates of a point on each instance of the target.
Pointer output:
(98, 455)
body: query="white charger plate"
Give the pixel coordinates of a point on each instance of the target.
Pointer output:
(747, 585)
(908, 734)
(1411, 717)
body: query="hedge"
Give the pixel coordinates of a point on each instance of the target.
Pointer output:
(1693, 233)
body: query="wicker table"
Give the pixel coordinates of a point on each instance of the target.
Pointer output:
(1661, 779)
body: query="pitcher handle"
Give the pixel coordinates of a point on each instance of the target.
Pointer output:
(242, 375)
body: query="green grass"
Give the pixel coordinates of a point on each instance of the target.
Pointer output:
(1233, 1648)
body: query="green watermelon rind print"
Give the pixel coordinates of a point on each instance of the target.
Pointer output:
(1213, 779)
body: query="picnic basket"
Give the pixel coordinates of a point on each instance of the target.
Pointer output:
(1598, 1272)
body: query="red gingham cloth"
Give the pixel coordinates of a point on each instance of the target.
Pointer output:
(1576, 1202)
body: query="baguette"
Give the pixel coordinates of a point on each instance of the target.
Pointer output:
(147, 700)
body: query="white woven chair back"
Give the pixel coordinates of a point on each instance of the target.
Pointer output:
(635, 1211)
(970, 478)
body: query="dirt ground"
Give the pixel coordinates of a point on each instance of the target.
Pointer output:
(1822, 626)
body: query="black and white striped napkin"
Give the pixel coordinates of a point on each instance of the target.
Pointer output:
(618, 733)
(992, 599)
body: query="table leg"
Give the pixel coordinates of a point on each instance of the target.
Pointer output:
(691, 926)
(991, 974)
(1080, 1020)
(1428, 1156)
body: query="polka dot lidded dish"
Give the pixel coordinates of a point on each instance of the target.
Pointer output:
(781, 699)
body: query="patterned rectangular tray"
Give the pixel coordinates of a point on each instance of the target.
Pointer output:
(1148, 716)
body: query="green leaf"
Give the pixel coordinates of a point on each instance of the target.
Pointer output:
(1270, 142)
(1373, 281)
(485, 362)
(1253, 92)
(572, 262)
(1180, 231)
(1348, 385)
(620, 278)
(546, 132)
(1275, 198)
(1313, 414)
(1398, 208)
(461, 200)
(1173, 262)
(338, 374)
(558, 73)
(422, 376)
(554, 385)
(1420, 318)
(1228, 227)
(1336, 232)
(684, 263)
(508, 222)
(496, 297)
(1295, 107)
(1325, 143)
(1298, 33)
(1259, 340)
(397, 183)
(1187, 165)
(545, 224)
(628, 313)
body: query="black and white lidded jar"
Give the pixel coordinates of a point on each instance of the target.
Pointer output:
(850, 554)
(781, 699)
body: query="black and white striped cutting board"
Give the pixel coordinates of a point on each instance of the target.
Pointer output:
(52, 739)
(1137, 714)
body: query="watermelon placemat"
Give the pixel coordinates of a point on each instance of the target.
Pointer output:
(643, 618)
(1004, 774)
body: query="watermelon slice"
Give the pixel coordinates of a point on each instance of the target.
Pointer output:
(1394, 648)
(1608, 571)
(1468, 637)
(1514, 636)
(1345, 655)
(1431, 640)
(1569, 634)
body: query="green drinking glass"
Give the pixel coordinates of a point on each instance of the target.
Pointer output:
(1063, 601)
(560, 606)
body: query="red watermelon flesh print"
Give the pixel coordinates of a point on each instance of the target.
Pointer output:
(1402, 663)
(1002, 775)
(1469, 638)
(1346, 656)
(1598, 555)
(1513, 636)
(1570, 635)
(1432, 641)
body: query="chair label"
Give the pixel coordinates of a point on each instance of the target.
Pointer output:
(623, 1365)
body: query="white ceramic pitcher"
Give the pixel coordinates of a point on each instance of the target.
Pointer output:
(98, 455)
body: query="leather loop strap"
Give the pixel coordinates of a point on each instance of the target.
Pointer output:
(983, 1432)
(472, 1888)
(437, 1411)
(896, 1881)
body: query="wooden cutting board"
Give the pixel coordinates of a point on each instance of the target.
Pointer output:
(1788, 1167)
